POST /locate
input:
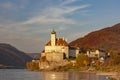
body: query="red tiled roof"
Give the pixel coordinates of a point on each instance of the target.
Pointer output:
(59, 42)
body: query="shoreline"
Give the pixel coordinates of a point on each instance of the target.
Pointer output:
(110, 75)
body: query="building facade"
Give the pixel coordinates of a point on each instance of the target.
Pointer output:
(96, 53)
(56, 49)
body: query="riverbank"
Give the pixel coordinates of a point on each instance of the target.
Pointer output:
(112, 73)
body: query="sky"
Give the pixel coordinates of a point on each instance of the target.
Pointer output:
(27, 24)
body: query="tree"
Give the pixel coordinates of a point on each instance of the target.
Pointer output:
(114, 58)
(32, 65)
(82, 60)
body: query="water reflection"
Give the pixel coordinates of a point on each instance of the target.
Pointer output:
(21, 74)
(55, 75)
(72, 76)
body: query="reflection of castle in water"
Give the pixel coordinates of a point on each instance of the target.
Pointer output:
(71, 76)
(56, 76)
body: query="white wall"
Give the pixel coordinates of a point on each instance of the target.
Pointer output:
(95, 53)
(57, 49)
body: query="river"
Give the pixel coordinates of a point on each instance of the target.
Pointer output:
(22, 74)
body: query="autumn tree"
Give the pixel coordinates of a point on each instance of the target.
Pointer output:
(114, 58)
(82, 60)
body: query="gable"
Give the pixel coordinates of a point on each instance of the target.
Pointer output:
(59, 42)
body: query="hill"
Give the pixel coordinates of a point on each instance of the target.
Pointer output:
(107, 39)
(12, 57)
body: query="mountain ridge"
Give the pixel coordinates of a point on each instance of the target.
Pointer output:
(106, 39)
(11, 56)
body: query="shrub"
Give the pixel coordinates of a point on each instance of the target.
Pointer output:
(82, 60)
(32, 66)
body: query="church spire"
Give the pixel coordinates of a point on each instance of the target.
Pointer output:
(53, 32)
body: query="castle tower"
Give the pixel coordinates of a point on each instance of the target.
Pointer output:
(53, 38)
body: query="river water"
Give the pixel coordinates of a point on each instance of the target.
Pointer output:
(22, 74)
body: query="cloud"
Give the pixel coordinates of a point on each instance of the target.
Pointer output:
(10, 5)
(53, 15)
(61, 11)
(67, 2)
(50, 15)
(7, 5)
(32, 30)
(48, 20)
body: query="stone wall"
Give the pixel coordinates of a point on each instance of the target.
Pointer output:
(49, 65)
(54, 56)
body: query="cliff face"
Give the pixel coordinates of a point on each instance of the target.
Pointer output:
(106, 39)
(10, 56)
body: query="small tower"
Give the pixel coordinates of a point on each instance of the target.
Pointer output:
(53, 38)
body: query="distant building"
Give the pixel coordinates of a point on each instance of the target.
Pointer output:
(73, 52)
(95, 53)
(57, 49)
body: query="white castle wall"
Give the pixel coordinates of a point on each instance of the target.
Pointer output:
(60, 49)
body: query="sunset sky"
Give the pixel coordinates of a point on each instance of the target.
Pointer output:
(27, 24)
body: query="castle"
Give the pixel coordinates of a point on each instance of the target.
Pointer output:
(57, 49)
(56, 53)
